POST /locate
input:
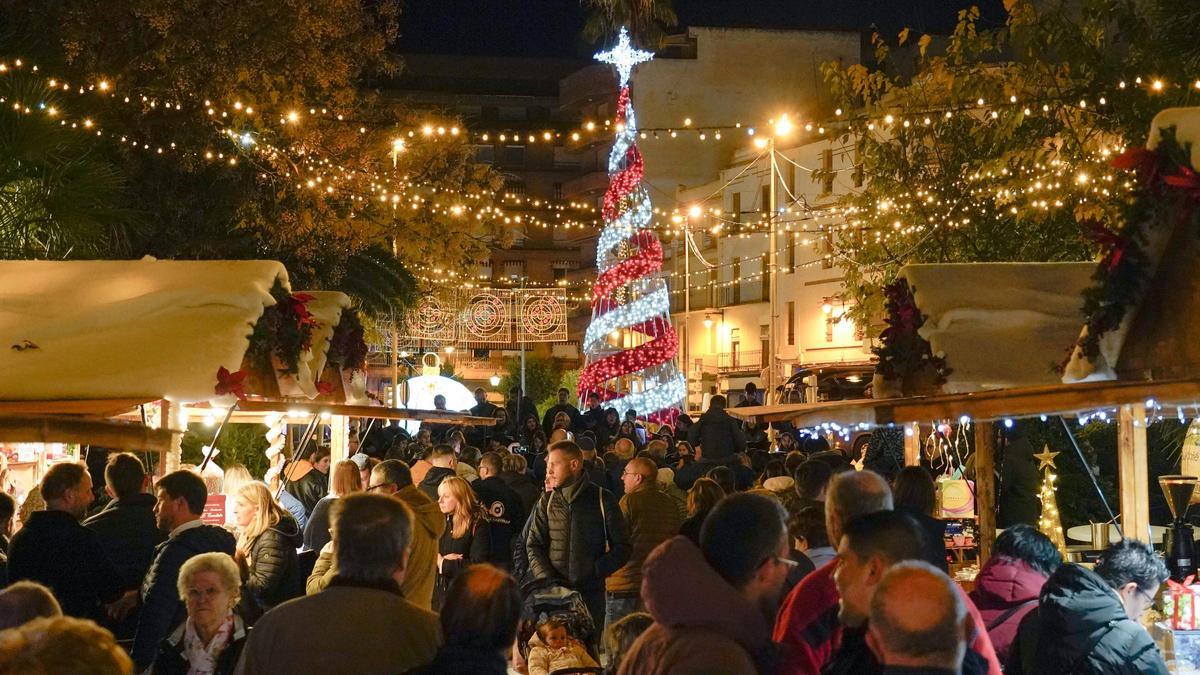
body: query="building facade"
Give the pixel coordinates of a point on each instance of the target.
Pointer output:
(725, 320)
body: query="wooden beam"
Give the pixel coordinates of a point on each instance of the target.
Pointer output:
(985, 487)
(54, 429)
(912, 444)
(91, 408)
(380, 412)
(1134, 476)
(980, 406)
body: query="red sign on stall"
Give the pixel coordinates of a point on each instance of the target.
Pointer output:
(214, 510)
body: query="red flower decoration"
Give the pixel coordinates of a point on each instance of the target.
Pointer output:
(1135, 158)
(1114, 245)
(1186, 179)
(230, 383)
(298, 305)
(324, 388)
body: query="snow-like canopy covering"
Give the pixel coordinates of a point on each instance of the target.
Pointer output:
(127, 329)
(326, 307)
(999, 325)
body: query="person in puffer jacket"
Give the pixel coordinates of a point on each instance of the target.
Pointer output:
(181, 496)
(577, 534)
(266, 551)
(1008, 586)
(1087, 621)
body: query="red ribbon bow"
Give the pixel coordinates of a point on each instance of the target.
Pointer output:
(230, 383)
(324, 388)
(1178, 590)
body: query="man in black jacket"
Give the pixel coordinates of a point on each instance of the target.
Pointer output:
(563, 405)
(1087, 621)
(126, 528)
(503, 506)
(717, 435)
(577, 535)
(54, 549)
(181, 496)
(445, 464)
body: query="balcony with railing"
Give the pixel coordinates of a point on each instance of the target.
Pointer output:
(729, 363)
(726, 296)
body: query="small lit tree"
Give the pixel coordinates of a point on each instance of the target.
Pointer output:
(1050, 522)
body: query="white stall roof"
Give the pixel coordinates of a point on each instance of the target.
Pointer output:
(127, 329)
(1000, 325)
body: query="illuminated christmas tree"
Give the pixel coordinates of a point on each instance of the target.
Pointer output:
(1050, 522)
(630, 344)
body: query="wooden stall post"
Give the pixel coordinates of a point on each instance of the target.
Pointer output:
(339, 438)
(1134, 479)
(167, 419)
(912, 444)
(985, 487)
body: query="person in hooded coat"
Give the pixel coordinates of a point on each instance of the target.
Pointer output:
(1008, 586)
(712, 604)
(1087, 621)
(266, 552)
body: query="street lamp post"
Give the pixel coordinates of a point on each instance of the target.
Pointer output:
(772, 276)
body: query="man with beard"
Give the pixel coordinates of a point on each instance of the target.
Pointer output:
(713, 605)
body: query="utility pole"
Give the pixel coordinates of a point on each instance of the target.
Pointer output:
(687, 312)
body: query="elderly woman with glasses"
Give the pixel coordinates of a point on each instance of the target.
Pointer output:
(210, 640)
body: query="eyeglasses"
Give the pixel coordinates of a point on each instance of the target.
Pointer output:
(634, 473)
(1149, 597)
(376, 487)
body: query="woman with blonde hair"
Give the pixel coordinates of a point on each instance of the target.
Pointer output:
(266, 551)
(346, 479)
(236, 476)
(210, 640)
(466, 539)
(701, 499)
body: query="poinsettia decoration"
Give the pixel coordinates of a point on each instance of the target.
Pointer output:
(1167, 193)
(283, 331)
(348, 345)
(903, 351)
(230, 383)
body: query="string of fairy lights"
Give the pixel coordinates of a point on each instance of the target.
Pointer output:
(243, 126)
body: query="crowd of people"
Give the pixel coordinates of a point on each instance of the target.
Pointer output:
(570, 542)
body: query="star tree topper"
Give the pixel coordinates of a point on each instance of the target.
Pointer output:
(624, 57)
(1046, 458)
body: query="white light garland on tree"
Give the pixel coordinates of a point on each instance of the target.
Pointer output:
(630, 294)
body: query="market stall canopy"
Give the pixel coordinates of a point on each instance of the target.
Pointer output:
(1060, 399)
(977, 311)
(131, 329)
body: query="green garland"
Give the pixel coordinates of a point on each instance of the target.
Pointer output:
(348, 346)
(903, 351)
(1167, 193)
(284, 330)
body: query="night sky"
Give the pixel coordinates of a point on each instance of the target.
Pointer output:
(551, 27)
